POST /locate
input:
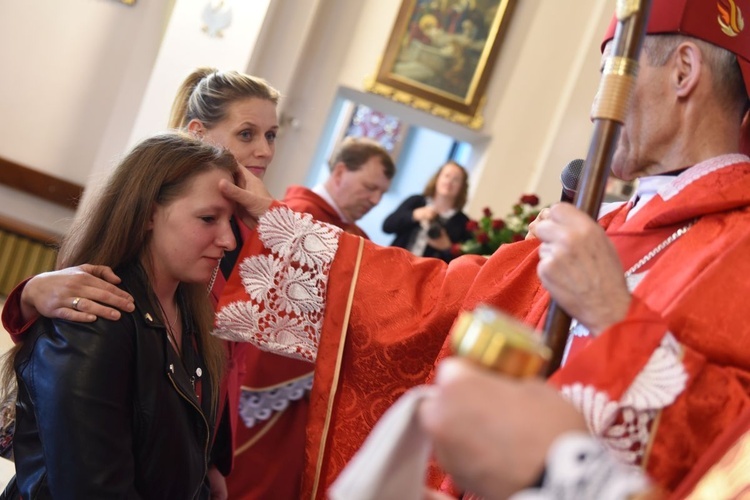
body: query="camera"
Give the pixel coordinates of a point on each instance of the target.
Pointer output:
(435, 228)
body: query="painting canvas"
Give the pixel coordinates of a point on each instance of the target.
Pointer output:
(440, 55)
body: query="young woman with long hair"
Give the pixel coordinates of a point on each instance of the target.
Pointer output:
(128, 408)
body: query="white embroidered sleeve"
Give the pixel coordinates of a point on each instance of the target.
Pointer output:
(625, 425)
(285, 288)
(579, 468)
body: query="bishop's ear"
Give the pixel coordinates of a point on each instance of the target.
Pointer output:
(688, 68)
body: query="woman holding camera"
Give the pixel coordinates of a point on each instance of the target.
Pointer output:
(431, 224)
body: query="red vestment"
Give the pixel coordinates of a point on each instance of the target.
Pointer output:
(269, 456)
(724, 471)
(658, 387)
(302, 199)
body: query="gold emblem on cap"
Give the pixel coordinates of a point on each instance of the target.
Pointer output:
(730, 17)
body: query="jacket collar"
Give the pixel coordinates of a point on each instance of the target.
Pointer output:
(185, 371)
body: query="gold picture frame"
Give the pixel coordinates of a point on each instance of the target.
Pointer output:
(440, 56)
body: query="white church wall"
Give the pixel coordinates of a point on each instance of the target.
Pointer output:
(67, 68)
(78, 75)
(538, 99)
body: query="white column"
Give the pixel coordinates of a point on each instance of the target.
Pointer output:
(187, 45)
(184, 47)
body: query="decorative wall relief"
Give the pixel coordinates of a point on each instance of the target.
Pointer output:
(217, 16)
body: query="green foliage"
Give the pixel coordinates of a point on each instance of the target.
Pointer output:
(489, 233)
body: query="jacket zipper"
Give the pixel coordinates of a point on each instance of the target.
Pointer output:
(208, 429)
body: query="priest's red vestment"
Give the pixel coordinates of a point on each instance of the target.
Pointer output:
(657, 387)
(269, 455)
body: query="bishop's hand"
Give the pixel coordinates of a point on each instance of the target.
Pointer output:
(580, 268)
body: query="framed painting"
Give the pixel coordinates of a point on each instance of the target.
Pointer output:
(440, 56)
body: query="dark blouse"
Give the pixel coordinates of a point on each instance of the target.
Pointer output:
(401, 223)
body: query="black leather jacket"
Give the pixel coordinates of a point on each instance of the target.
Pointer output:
(107, 409)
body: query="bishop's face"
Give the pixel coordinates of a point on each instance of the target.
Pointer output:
(650, 124)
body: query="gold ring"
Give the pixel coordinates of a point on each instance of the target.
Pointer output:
(76, 300)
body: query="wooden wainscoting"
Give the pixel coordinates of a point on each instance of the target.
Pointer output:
(26, 250)
(39, 184)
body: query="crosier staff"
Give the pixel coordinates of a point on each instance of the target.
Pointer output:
(608, 113)
(501, 343)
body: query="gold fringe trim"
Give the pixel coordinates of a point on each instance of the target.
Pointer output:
(276, 386)
(251, 442)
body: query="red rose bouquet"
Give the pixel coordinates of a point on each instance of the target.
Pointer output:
(489, 233)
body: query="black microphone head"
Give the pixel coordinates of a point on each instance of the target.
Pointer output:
(570, 177)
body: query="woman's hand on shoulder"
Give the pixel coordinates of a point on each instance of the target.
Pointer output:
(80, 293)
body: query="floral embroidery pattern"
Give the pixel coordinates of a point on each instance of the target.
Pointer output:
(258, 406)
(661, 380)
(595, 406)
(700, 170)
(625, 425)
(286, 288)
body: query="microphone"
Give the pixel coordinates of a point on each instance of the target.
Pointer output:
(570, 177)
